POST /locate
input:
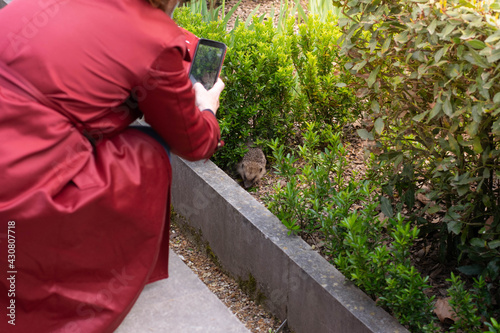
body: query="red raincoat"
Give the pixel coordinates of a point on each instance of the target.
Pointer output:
(83, 198)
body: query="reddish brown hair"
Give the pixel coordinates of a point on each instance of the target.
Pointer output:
(161, 4)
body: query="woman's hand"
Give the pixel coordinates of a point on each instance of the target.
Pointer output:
(208, 99)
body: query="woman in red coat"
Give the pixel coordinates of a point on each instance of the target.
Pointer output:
(84, 198)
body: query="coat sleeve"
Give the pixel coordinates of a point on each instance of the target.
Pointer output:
(167, 101)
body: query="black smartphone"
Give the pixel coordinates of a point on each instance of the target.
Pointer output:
(207, 63)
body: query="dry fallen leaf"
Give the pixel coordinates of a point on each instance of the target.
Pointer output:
(488, 223)
(422, 198)
(444, 311)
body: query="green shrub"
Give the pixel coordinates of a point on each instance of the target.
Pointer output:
(405, 286)
(432, 85)
(378, 262)
(431, 73)
(494, 326)
(471, 306)
(315, 53)
(258, 102)
(304, 203)
(373, 253)
(201, 26)
(276, 80)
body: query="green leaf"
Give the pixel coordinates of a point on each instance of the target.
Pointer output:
(432, 27)
(435, 110)
(468, 34)
(493, 38)
(494, 269)
(473, 128)
(495, 55)
(454, 226)
(462, 190)
(448, 108)
(477, 242)
(386, 45)
(422, 69)
(373, 44)
(386, 207)
(476, 44)
(418, 55)
(466, 4)
(248, 22)
(439, 54)
(496, 127)
(418, 118)
(402, 37)
(398, 160)
(230, 13)
(433, 209)
(375, 106)
(478, 149)
(464, 179)
(373, 76)
(447, 30)
(365, 135)
(471, 269)
(342, 21)
(494, 244)
(359, 65)
(496, 99)
(455, 147)
(474, 58)
(379, 125)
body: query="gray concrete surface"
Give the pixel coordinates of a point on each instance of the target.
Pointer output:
(180, 304)
(250, 243)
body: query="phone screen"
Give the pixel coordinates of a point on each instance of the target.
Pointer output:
(207, 62)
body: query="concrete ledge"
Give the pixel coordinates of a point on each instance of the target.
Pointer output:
(250, 243)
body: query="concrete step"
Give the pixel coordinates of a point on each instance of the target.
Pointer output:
(181, 304)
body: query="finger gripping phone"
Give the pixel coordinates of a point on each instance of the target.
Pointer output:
(207, 62)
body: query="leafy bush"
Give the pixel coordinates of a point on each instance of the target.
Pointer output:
(258, 102)
(465, 306)
(430, 70)
(302, 203)
(202, 26)
(373, 253)
(276, 80)
(315, 53)
(494, 326)
(378, 261)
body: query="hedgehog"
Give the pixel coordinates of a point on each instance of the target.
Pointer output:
(252, 167)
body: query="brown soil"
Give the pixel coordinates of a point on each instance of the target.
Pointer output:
(228, 290)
